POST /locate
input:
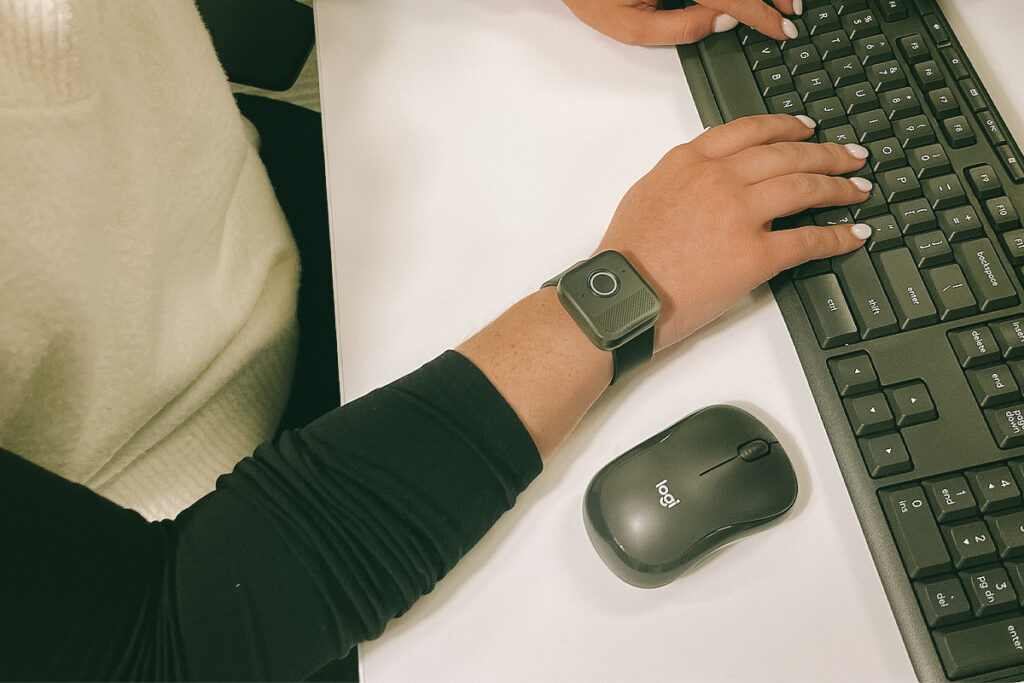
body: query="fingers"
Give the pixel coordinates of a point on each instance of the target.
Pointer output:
(788, 194)
(790, 248)
(675, 27)
(730, 138)
(755, 164)
(758, 15)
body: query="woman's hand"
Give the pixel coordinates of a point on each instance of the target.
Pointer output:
(640, 22)
(698, 226)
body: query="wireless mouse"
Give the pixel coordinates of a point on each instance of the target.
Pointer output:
(710, 478)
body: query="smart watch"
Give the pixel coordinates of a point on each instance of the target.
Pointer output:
(613, 305)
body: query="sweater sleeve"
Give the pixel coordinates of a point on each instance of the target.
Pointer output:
(307, 548)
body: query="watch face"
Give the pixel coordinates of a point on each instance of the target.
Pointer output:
(609, 299)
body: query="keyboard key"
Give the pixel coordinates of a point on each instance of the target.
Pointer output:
(870, 308)
(992, 127)
(955, 61)
(885, 455)
(959, 224)
(989, 282)
(929, 248)
(802, 60)
(869, 414)
(943, 602)
(860, 24)
(972, 93)
(943, 103)
(853, 374)
(1007, 425)
(975, 346)
(886, 76)
(885, 233)
(969, 544)
(828, 112)
(857, 98)
(893, 10)
(914, 48)
(914, 216)
(847, 6)
(950, 292)
(840, 135)
(929, 161)
(900, 103)
(906, 290)
(977, 648)
(873, 50)
(821, 20)
(1009, 335)
(993, 386)
(886, 154)
(815, 85)
(763, 55)
(915, 532)
(936, 29)
(911, 404)
(899, 184)
(802, 35)
(951, 498)
(944, 191)
(994, 488)
(914, 131)
(872, 206)
(845, 71)
(827, 311)
(1013, 241)
(833, 45)
(959, 132)
(1011, 162)
(774, 81)
(1002, 213)
(984, 181)
(1008, 532)
(989, 591)
(929, 76)
(788, 103)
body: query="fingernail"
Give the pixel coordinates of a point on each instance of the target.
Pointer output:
(861, 230)
(789, 28)
(856, 151)
(806, 120)
(863, 184)
(798, 6)
(724, 22)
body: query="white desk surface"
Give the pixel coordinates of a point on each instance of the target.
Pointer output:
(474, 149)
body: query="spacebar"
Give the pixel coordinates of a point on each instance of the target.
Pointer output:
(730, 77)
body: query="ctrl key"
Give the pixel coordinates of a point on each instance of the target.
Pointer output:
(827, 310)
(977, 648)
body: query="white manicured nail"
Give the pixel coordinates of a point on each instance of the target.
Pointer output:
(798, 6)
(724, 22)
(789, 28)
(861, 230)
(863, 184)
(806, 120)
(856, 151)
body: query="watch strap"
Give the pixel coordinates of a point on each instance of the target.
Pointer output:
(633, 353)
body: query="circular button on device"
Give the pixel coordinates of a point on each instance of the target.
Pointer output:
(603, 283)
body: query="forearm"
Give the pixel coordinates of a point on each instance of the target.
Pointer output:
(541, 362)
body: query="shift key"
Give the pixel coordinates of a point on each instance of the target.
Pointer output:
(985, 274)
(827, 310)
(909, 297)
(864, 293)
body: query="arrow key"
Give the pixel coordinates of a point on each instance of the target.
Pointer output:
(853, 374)
(911, 404)
(885, 455)
(869, 414)
(969, 544)
(994, 487)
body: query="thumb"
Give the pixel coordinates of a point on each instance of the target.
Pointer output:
(790, 248)
(681, 26)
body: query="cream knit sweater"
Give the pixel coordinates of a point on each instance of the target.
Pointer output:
(147, 275)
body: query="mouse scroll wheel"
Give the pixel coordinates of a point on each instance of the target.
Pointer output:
(754, 449)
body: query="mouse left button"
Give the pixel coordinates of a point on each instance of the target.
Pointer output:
(753, 450)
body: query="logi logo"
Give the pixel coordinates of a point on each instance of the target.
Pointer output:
(667, 499)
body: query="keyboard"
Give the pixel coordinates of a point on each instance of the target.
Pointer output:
(913, 345)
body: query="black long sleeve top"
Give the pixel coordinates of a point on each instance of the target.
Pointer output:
(306, 548)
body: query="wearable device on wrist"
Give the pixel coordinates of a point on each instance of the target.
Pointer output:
(613, 305)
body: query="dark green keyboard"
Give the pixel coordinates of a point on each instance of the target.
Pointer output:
(914, 344)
